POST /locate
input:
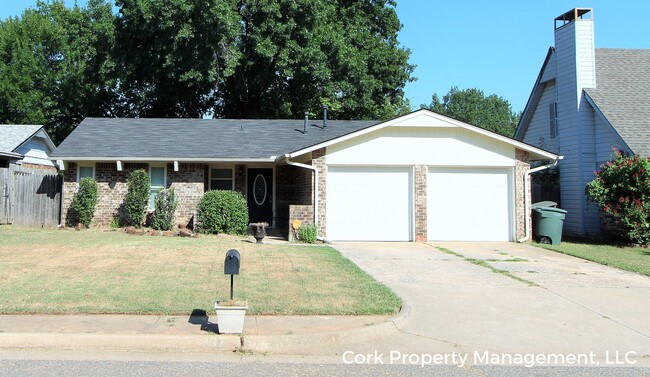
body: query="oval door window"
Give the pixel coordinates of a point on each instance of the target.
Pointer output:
(259, 189)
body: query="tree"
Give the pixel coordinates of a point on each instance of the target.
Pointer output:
(622, 189)
(137, 197)
(85, 200)
(298, 55)
(471, 106)
(55, 65)
(174, 54)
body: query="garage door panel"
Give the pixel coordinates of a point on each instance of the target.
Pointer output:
(368, 204)
(468, 204)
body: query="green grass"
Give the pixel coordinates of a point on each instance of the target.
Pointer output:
(635, 259)
(95, 271)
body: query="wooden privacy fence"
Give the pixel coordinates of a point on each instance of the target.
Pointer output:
(30, 197)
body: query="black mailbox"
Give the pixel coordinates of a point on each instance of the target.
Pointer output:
(231, 264)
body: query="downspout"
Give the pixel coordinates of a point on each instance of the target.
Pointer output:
(315, 170)
(527, 198)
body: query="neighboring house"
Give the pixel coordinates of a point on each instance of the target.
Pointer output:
(26, 145)
(585, 102)
(421, 176)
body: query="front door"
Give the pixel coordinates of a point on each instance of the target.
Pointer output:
(260, 195)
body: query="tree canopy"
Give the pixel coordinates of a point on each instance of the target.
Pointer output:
(198, 58)
(472, 106)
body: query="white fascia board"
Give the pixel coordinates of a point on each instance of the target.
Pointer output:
(161, 159)
(452, 122)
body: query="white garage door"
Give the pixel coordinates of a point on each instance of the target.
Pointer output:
(468, 204)
(368, 204)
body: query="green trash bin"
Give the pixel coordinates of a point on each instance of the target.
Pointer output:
(548, 222)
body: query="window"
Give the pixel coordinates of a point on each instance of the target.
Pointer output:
(221, 179)
(158, 175)
(85, 172)
(553, 117)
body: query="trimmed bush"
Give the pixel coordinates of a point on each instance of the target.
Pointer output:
(137, 197)
(622, 189)
(163, 217)
(85, 200)
(222, 211)
(307, 233)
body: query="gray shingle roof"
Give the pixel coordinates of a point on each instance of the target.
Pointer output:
(13, 135)
(197, 138)
(623, 94)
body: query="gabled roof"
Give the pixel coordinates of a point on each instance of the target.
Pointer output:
(622, 94)
(427, 118)
(15, 135)
(110, 139)
(533, 99)
(195, 139)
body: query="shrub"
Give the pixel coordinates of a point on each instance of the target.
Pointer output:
(137, 197)
(222, 211)
(307, 233)
(85, 200)
(163, 218)
(622, 189)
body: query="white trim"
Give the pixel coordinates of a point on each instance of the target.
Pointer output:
(450, 121)
(232, 171)
(79, 166)
(175, 165)
(119, 165)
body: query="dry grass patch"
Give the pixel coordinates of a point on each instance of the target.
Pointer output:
(94, 271)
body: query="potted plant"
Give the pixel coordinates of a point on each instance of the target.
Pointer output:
(258, 230)
(230, 316)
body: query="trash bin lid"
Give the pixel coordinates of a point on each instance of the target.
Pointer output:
(546, 203)
(550, 209)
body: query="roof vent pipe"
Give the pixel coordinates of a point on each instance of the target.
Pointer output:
(325, 108)
(306, 122)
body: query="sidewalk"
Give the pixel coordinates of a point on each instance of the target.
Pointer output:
(276, 334)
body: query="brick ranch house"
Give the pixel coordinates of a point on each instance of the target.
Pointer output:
(418, 177)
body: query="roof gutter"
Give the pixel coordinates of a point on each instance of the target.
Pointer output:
(527, 195)
(286, 158)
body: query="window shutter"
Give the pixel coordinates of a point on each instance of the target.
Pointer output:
(553, 119)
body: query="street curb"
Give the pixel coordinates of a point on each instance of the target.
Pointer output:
(120, 342)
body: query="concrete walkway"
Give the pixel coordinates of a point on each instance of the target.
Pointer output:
(511, 298)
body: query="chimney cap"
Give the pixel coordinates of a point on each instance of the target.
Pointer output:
(572, 15)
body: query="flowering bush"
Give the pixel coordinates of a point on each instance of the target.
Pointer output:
(622, 189)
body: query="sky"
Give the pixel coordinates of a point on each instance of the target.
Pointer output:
(497, 46)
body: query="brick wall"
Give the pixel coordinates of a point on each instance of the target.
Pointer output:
(522, 165)
(112, 187)
(421, 203)
(188, 184)
(319, 161)
(303, 213)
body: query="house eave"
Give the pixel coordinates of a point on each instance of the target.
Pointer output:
(161, 159)
(597, 110)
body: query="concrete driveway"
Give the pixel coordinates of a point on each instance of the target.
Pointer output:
(510, 298)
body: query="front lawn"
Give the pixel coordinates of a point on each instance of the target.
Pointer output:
(95, 271)
(635, 259)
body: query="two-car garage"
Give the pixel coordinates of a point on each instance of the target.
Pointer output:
(424, 176)
(377, 203)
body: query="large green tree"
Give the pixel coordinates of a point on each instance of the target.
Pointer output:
(196, 58)
(174, 54)
(298, 55)
(472, 106)
(55, 65)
